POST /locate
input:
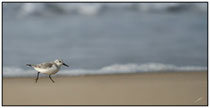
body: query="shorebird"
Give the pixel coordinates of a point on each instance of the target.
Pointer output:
(48, 68)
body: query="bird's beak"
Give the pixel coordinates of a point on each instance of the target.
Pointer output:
(65, 65)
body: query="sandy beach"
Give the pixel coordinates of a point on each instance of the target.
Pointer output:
(163, 88)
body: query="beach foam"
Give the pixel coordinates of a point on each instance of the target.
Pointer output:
(112, 69)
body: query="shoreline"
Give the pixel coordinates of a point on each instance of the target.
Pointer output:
(107, 74)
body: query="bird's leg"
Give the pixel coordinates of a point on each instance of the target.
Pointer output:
(51, 79)
(37, 77)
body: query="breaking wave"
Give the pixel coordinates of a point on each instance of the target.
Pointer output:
(112, 69)
(43, 9)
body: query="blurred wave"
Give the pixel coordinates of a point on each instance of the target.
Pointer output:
(45, 9)
(112, 69)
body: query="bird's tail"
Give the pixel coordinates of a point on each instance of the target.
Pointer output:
(28, 65)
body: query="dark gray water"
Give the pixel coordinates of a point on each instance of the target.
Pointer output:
(114, 37)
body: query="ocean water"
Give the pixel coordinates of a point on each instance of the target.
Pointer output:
(105, 38)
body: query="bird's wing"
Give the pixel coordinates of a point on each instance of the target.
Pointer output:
(44, 65)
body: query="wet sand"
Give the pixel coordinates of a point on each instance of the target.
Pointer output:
(164, 88)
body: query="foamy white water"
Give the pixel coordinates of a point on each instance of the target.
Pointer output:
(45, 9)
(112, 69)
